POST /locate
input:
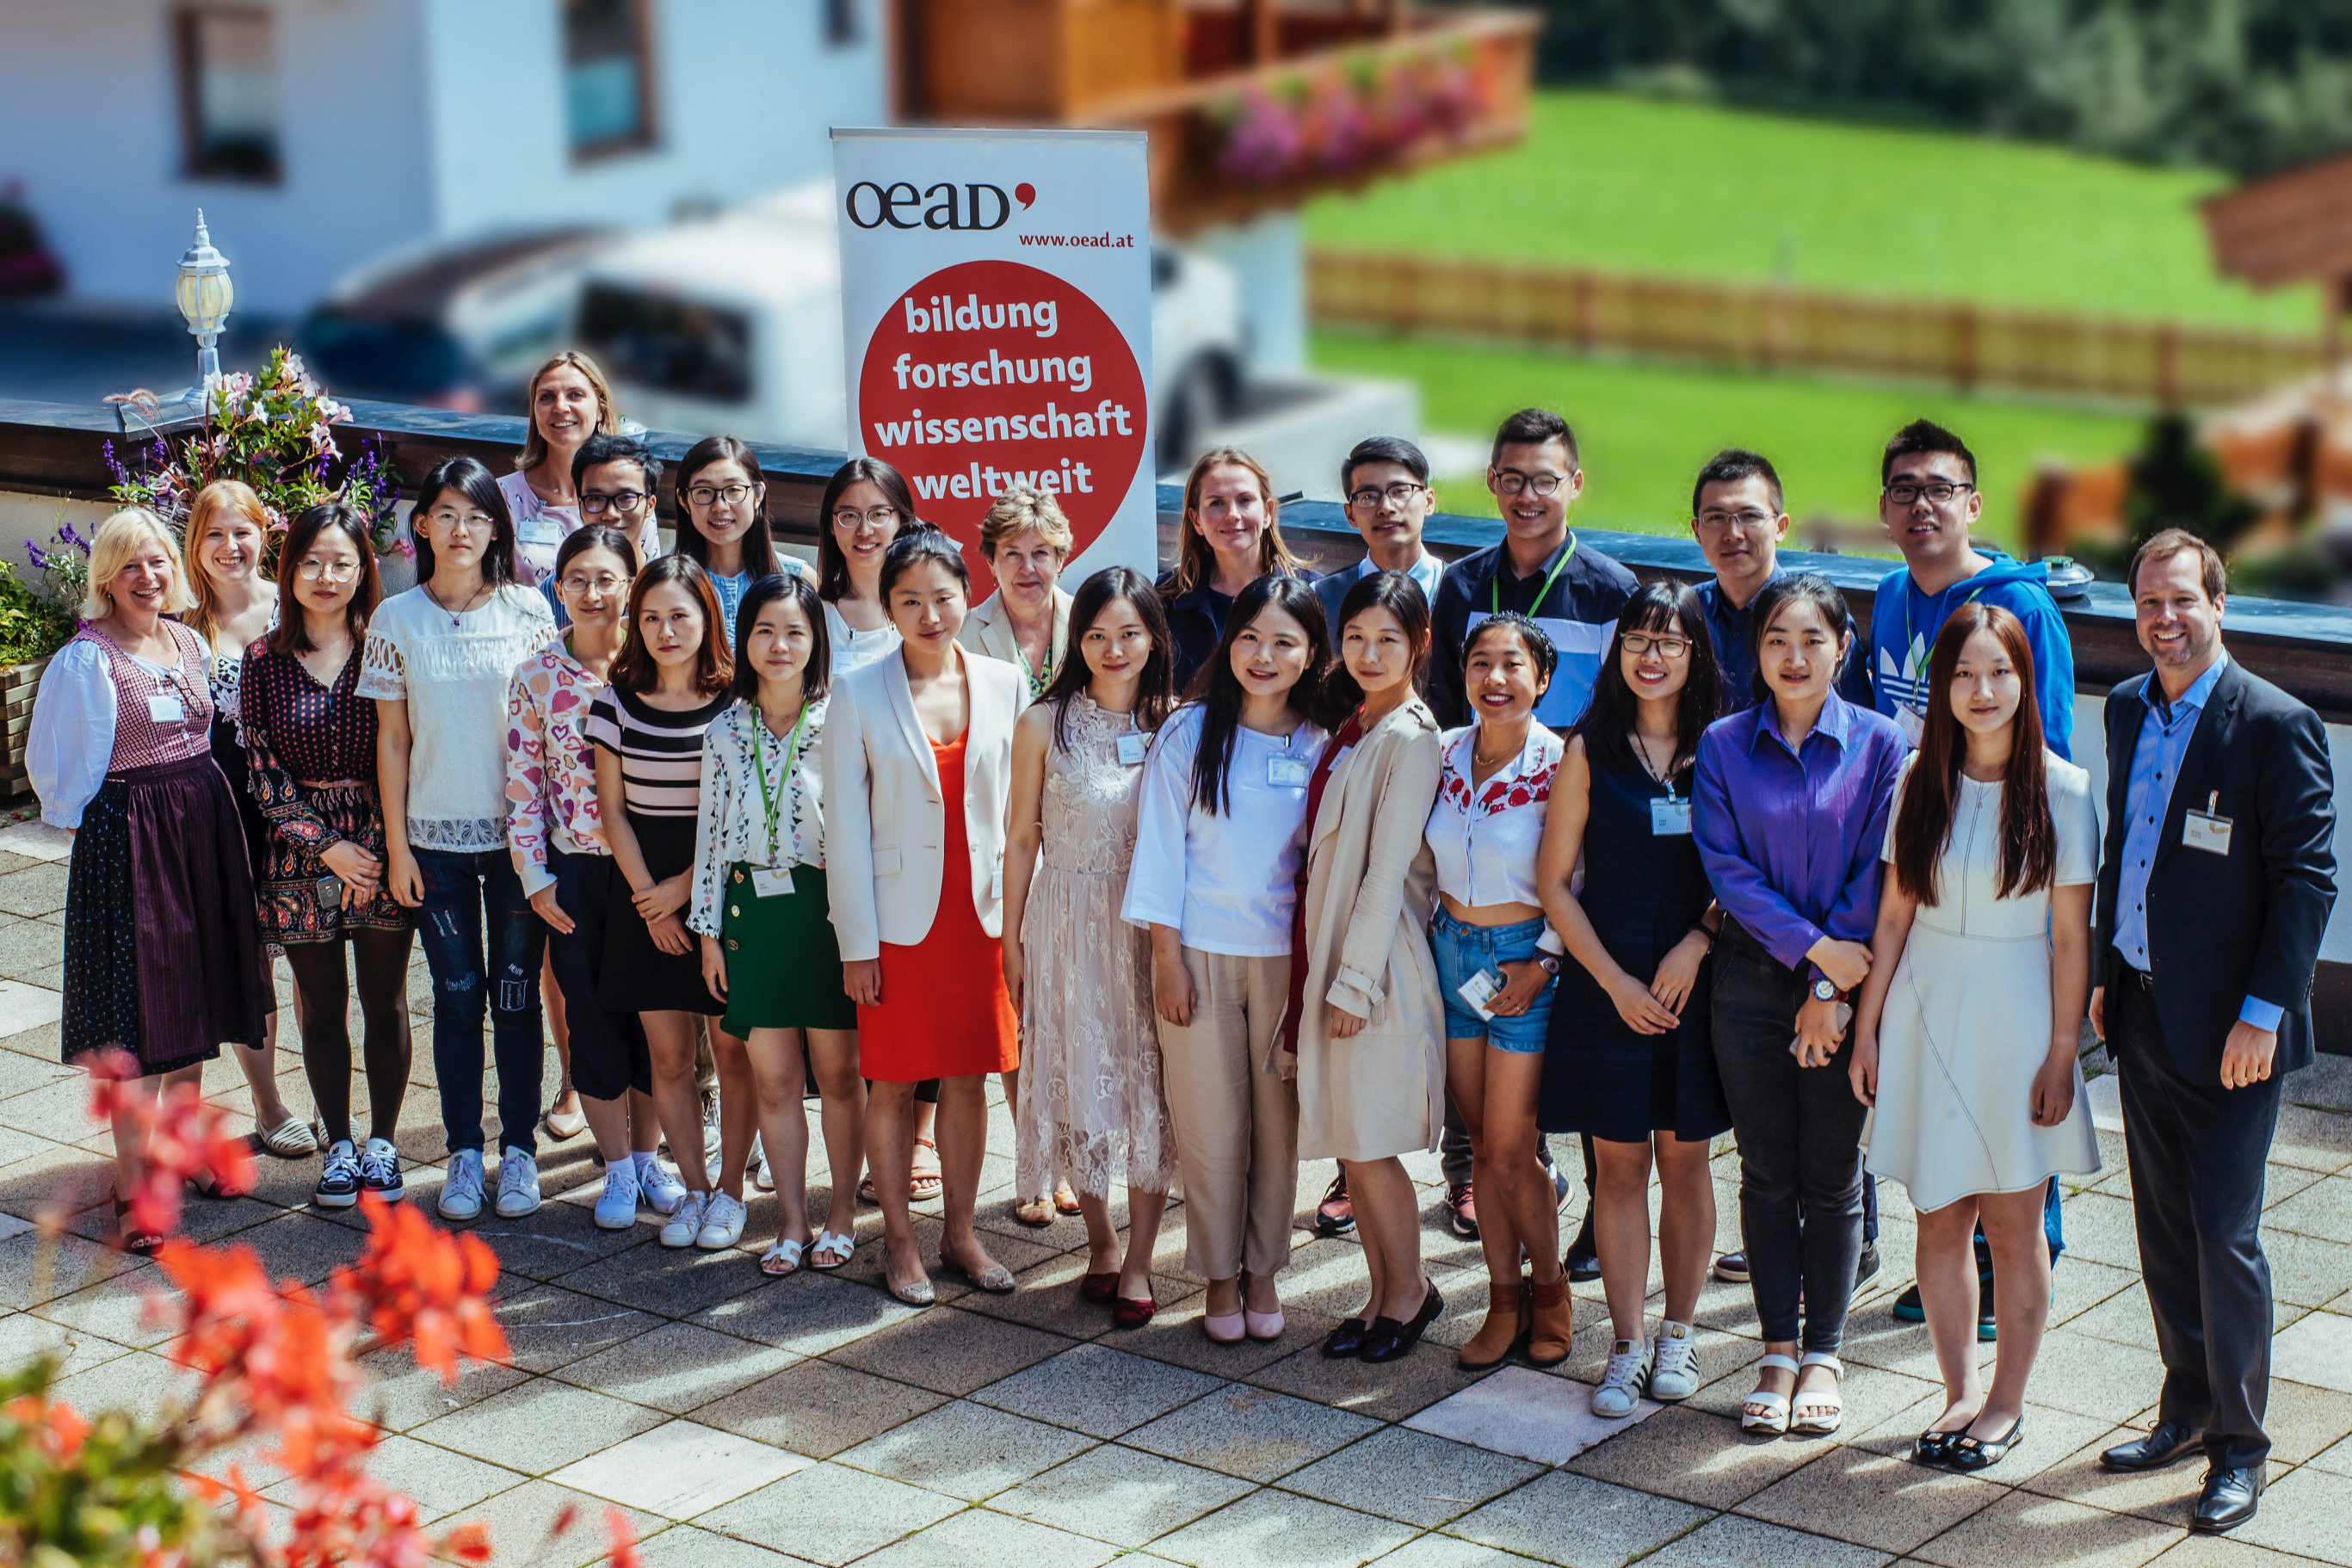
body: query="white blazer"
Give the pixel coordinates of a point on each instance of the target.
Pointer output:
(885, 820)
(989, 629)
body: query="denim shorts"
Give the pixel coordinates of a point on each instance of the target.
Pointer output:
(1462, 950)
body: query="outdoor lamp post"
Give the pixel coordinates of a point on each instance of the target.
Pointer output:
(205, 295)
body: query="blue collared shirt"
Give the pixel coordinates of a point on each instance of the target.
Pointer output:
(2164, 735)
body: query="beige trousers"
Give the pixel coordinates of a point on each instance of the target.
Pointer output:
(1237, 1125)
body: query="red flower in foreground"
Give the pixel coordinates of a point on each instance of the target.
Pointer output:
(422, 1287)
(185, 1137)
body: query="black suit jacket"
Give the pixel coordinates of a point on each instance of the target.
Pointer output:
(2222, 928)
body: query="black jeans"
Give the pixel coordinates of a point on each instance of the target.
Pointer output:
(1799, 1132)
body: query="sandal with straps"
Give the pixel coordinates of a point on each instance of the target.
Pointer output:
(1818, 1412)
(831, 1250)
(781, 1258)
(1763, 1413)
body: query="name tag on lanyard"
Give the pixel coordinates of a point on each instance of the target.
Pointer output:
(1131, 750)
(1286, 772)
(1670, 817)
(771, 881)
(166, 708)
(2208, 829)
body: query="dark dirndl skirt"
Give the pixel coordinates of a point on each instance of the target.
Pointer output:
(162, 951)
(638, 977)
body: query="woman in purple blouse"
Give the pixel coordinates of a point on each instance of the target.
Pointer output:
(1789, 811)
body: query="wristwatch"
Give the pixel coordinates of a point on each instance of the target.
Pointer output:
(1550, 965)
(1825, 989)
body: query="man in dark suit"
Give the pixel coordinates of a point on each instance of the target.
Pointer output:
(2218, 877)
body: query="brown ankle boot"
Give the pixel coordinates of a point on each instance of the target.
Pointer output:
(1507, 1319)
(1552, 1313)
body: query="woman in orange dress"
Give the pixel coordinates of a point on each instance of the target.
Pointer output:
(918, 762)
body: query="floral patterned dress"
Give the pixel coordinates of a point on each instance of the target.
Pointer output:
(311, 761)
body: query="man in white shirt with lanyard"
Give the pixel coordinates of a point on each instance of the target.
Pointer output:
(1386, 483)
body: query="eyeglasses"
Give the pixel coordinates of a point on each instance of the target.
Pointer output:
(707, 495)
(312, 569)
(1510, 481)
(1400, 492)
(471, 521)
(1640, 644)
(1748, 521)
(594, 502)
(880, 517)
(1937, 491)
(603, 583)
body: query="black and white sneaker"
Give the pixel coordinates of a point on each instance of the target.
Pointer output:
(380, 1171)
(339, 1184)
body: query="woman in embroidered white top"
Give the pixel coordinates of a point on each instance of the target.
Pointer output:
(569, 402)
(439, 662)
(762, 912)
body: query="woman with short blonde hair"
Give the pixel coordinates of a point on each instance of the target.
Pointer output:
(567, 402)
(110, 548)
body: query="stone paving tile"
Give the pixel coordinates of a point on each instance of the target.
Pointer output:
(1094, 1389)
(948, 1351)
(1696, 1457)
(2317, 1349)
(401, 1395)
(2023, 1528)
(690, 1546)
(676, 1367)
(654, 1279)
(1730, 1541)
(560, 1240)
(2321, 1209)
(1411, 1477)
(1518, 1410)
(966, 1450)
(817, 1408)
(548, 1326)
(2302, 1513)
(541, 1426)
(1048, 1299)
(23, 1336)
(2305, 1269)
(1175, 1335)
(1120, 1495)
(131, 1308)
(139, 1380)
(442, 1480)
(1249, 1432)
(1389, 1391)
(2096, 1377)
(520, 1521)
(1272, 1530)
(1871, 1498)
(1435, 1551)
(2228, 1551)
(2051, 1435)
(976, 1536)
(1577, 1522)
(830, 1514)
(54, 1178)
(805, 1313)
(2303, 1421)
(679, 1469)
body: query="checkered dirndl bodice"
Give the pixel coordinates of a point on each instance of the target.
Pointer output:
(141, 740)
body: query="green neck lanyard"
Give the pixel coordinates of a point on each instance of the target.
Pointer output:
(773, 803)
(1038, 678)
(1914, 666)
(1494, 584)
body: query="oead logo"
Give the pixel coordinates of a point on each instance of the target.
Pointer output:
(900, 204)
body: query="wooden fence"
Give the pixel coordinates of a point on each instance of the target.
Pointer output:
(1769, 328)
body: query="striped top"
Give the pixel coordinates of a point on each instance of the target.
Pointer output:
(660, 750)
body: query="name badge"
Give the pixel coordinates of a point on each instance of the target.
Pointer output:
(1131, 749)
(996, 882)
(1913, 724)
(540, 530)
(1669, 817)
(2208, 829)
(771, 881)
(164, 707)
(1480, 989)
(1286, 772)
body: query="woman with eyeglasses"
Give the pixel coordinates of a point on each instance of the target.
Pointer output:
(557, 839)
(1231, 537)
(569, 403)
(439, 662)
(227, 536)
(723, 497)
(310, 741)
(1628, 1061)
(867, 503)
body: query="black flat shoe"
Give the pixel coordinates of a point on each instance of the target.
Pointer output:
(1582, 1259)
(2228, 1500)
(1389, 1339)
(1932, 1448)
(1348, 1339)
(2168, 1444)
(1968, 1455)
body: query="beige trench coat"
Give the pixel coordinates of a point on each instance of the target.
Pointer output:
(1370, 884)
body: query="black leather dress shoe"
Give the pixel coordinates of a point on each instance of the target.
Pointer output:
(1346, 1341)
(2228, 1500)
(1582, 1259)
(2167, 1445)
(1389, 1339)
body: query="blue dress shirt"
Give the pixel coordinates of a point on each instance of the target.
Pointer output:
(2164, 735)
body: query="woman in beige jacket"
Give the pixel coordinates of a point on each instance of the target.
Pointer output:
(1364, 1031)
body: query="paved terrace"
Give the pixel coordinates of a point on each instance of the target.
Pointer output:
(744, 1422)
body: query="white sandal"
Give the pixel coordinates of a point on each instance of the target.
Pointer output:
(1764, 1412)
(834, 1245)
(1825, 1410)
(787, 1253)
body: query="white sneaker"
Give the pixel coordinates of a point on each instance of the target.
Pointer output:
(1673, 1362)
(657, 1189)
(722, 1224)
(517, 1184)
(1622, 1385)
(762, 1177)
(339, 1180)
(461, 1192)
(617, 1208)
(684, 1221)
(711, 1152)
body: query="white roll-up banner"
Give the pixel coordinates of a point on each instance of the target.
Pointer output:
(996, 304)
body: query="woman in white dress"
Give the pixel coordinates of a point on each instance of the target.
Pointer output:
(1964, 1041)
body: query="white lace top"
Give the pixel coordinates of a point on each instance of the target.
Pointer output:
(731, 824)
(453, 671)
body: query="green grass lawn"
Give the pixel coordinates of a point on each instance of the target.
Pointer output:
(1645, 430)
(1694, 190)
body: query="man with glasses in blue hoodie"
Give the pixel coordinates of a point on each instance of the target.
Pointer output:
(1928, 500)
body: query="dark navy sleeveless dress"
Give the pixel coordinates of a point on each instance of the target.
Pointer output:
(1643, 892)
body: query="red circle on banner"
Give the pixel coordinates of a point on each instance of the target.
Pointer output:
(989, 373)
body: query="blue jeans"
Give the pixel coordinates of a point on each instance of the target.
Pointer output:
(459, 889)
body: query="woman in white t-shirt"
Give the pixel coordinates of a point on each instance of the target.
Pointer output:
(569, 402)
(439, 662)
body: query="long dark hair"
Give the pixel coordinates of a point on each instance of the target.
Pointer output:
(831, 563)
(1661, 606)
(816, 680)
(1401, 597)
(1808, 587)
(758, 544)
(714, 667)
(479, 486)
(1155, 688)
(2029, 840)
(290, 635)
(1218, 690)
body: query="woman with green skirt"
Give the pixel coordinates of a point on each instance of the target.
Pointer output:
(760, 908)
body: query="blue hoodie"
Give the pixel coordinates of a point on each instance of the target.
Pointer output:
(1905, 619)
